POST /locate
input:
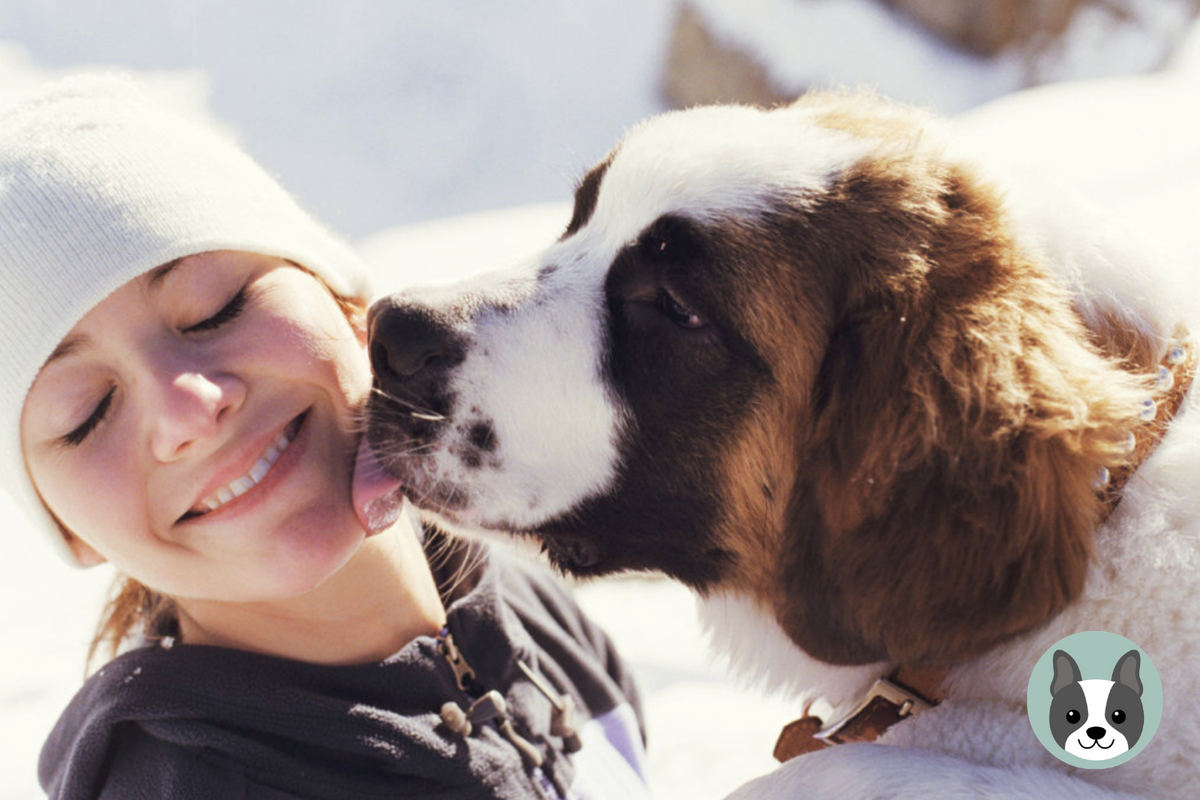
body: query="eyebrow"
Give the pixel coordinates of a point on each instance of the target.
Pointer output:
(80, 341)
(71, 344)
(156, 276)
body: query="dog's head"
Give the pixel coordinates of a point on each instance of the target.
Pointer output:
(1096, 719)
(792, 354)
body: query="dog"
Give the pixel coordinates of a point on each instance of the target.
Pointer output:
(1096, 719)
(875, 408)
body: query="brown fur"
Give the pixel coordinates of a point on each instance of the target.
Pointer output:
(920, 484)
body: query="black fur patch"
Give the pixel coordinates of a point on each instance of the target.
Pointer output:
(586, 195)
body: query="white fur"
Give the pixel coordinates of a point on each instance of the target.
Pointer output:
(535, 378)
(710, 163)
(877, 772)
(758, 650)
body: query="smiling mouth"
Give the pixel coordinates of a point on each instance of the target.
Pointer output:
(257, 472)
(1096, 743)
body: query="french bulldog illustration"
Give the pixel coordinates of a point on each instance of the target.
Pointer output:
(1096, 719)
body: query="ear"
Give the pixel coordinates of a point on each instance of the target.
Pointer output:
(960, 420)
(1127, 669)
(85, 555)
(1066, 672)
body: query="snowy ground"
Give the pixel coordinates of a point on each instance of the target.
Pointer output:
(383, 114)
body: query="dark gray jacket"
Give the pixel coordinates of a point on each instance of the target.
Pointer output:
(207, 722)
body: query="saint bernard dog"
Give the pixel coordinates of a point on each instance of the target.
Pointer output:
(875, 408)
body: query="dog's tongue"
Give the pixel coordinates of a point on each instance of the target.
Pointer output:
(376, 494)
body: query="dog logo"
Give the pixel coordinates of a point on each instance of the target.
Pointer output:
(1096, 719)
(1099, 715)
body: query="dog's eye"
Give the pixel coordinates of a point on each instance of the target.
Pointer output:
(1072, 716)
(678, 313)
(1118, 717)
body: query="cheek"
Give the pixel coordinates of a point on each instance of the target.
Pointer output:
(318, 344)
(98, 497)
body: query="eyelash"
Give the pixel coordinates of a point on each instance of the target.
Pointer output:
(76, 437)
(229, 312)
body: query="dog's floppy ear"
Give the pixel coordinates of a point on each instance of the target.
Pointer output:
(1066, 672)
(1127, 671)
(960, 420)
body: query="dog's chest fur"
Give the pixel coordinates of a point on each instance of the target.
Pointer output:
(1142, 586)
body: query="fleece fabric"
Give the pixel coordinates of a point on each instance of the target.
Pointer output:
(191, 721)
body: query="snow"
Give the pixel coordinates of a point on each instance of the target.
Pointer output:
(823, 43)
(447, 141)
(377, 113)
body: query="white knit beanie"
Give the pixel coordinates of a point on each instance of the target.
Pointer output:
(97, 186)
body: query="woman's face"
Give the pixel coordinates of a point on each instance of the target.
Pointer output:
(197, 429)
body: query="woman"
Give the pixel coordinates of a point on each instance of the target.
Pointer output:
(183, 364)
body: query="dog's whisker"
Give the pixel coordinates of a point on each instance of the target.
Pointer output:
(393, 450)
(475, 558)
(415, 410)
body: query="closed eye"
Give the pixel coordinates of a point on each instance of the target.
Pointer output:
(228, 313)
(79, 434)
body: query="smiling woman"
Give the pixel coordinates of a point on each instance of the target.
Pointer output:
(190, 401)
(183, 372)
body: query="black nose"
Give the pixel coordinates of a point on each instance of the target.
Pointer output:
(412, 350)
(1096, 733)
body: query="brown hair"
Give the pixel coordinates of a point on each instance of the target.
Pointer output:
(136, 610)
(132, 610)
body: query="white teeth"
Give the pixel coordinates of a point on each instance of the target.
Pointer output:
(245, 483)
(259, 470)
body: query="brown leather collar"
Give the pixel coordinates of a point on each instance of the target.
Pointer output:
(910, 690)
(1172, 379)
(906, 691)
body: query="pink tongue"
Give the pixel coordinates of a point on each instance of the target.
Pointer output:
(376, 494)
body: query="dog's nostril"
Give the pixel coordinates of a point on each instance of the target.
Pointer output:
(380, 363)
(407, 341)
(400, 362)
(1096, 733)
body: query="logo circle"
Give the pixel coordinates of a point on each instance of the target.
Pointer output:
(1093, 693)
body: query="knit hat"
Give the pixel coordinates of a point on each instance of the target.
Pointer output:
(99, 185)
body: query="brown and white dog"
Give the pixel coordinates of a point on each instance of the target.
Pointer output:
(816, 366)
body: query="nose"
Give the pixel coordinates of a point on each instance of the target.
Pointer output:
(1096, 733)
(413, 348)
(192, 409)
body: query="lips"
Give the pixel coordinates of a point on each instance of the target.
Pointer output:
(257, 472)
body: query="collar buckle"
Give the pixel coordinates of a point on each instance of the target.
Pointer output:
(884, 704)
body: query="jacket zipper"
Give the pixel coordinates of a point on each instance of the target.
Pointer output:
(489, 706)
